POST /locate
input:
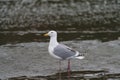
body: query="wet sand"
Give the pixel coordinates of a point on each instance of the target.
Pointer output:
(32, 59)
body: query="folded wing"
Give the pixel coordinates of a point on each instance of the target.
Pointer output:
(64, 52)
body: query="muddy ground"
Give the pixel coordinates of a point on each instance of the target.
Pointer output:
(32, 59)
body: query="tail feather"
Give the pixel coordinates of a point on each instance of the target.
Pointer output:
(79, 55)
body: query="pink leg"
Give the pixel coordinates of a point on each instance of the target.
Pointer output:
(59, 69)
(68, 69)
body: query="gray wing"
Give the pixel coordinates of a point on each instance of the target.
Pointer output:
(64, 52)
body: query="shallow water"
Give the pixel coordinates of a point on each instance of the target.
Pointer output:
(32, 61)
(88, 26)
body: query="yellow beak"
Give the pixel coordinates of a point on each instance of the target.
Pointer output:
(46, 34)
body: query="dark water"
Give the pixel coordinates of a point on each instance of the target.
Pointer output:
(37, 36)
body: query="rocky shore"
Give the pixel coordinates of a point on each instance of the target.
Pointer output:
(59, 14)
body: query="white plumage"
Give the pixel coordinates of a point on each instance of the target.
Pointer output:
(61, 51)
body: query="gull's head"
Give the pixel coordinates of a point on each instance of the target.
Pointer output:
(51, 34)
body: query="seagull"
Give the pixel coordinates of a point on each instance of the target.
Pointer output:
(61, 51)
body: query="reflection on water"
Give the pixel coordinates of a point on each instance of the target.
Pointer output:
(37, 36)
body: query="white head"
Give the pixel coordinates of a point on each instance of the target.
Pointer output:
(51, 34)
